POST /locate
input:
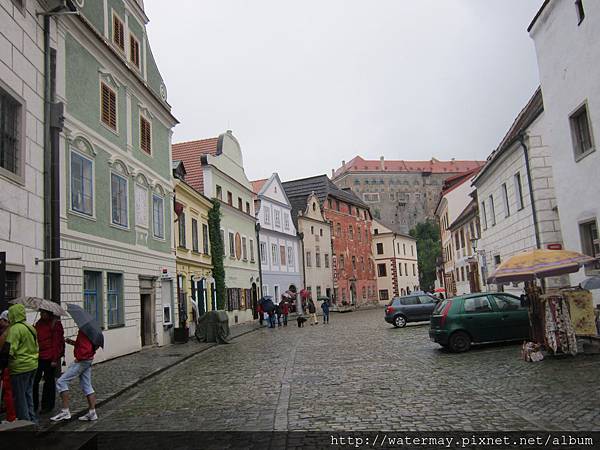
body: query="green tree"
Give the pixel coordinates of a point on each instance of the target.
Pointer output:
(427, 235)
(216, 251)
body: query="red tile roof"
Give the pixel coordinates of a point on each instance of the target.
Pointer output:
(358, 164)
(190, 153)
(257, 185)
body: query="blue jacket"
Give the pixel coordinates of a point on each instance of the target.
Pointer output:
(325, 307)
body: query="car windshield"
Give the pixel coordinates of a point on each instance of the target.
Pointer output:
(440, 306)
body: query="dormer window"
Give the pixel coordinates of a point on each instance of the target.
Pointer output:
(118, 35)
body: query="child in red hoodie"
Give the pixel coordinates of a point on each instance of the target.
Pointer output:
(84, 352)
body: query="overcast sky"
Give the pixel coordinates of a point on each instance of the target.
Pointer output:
(305, 84)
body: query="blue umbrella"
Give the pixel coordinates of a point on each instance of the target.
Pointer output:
(86, 324)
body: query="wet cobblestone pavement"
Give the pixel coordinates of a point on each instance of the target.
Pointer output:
(359, 373)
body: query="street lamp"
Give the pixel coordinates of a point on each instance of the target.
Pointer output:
(474, 240)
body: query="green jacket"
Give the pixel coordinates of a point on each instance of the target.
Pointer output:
(23, 356)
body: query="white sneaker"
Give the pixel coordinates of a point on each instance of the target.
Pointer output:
(63, 415)
(89, 417)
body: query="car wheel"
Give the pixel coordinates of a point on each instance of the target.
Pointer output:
(400, 321)
(460, 342)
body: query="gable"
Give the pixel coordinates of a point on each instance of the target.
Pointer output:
(273, 190)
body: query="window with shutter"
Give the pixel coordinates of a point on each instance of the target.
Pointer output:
(109, 107)
(145, 135)
(134, 51)
(118, 32)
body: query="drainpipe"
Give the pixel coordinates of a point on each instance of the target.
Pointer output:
(301, 236)
(530, 184)
(47, 162)
(260, 276)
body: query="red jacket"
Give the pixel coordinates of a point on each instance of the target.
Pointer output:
(51, 339)
(84, 349)
(285, 309)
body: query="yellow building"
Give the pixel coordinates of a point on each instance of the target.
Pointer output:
(195, 284)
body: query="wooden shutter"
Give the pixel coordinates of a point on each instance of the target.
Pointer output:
(145, 135)
(109, 107)
(134, 49)
(118, 33)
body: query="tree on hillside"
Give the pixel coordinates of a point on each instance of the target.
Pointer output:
(427, 235)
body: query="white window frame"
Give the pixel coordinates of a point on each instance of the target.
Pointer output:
(92, 215)
(274, 254)
(264, 257)
(125, 227)
(581, 154)
(277, 218)
(162, 199)
(286, 221)
(112, 37)
(267, 215)
(116, 92)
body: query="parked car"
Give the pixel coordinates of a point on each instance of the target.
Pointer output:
(458, 322)
(410, 308)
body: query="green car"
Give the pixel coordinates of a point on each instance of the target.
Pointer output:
(458, 322)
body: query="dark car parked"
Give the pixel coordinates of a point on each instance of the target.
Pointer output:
(460, 321)
(410, 308)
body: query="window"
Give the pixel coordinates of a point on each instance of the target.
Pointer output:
(484, 216)
(354, 263)
(338, 230)
(82, 194)
(350, 232)
(342, 262)
(462, 273)
(371, 197)
(277, 218)
(263, 252)
(317, 259)
(290, 256)
(11, 138)
(405, 268)
(381, 270)
(477, 305)
(581, 132)
(590, 244)
(358, 234)
(195, 246)
(109, 107)
(231, 245)
(145, 136)
(230, 198)
(267, 215)
(404, 249)
(414, 270)
(247, 207)
(274, 257)
(384, 294)
(92, 295)
(400, 269)
(251, 250)
(412, 250)
(282, 254)
(497, 260)
(492, 211)
(167, 319)
(118, 33)
(134, 51)
(580, 11)
(318, 291)
(380, 248)
(141, 205)
(308, 259)
(12, 288)
(240, 204)
(119, 200)
(362, 263)
(205, 239)
(312, 230)
(158, 217)
(326, 258)
(462, 238)
(114, 297)
(219, 192)
(457, 239)
(505, 200)
(286, 221)
(244, 248)
(181, 222)
(321, 232)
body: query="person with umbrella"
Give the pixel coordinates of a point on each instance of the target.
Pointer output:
(51, 340)
(89, 338)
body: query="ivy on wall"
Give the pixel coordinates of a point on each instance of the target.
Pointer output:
(217, 251)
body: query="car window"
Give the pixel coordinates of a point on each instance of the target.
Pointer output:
(477, 305)
(440, 306)
(426, 300)
(394, 302)
(506, 302)
(410, 301)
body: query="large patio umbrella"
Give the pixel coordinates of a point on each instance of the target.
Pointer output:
(534, 264)
(38, 304)
(86, 323)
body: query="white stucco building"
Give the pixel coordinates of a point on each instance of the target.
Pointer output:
(280, 264)
(22, 146)
(508, 212)
(566, 36)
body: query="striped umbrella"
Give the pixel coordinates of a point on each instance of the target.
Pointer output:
(531, 264)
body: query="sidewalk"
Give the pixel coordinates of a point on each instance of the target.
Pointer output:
(113, 377)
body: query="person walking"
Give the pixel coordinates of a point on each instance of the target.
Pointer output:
(312, 310)
(261, 313)
(325, 308)
(81, 368)
(278, 314)
(22, 362)
(285, 311)
(7, 394)
(51, 341)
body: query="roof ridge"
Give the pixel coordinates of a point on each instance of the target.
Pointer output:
(195, 140)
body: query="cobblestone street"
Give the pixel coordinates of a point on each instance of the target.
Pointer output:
(358, 373)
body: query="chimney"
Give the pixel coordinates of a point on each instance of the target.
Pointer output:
(332, 173)
(382, 163)
(343, 164)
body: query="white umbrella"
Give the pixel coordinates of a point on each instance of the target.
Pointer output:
(38, 304)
